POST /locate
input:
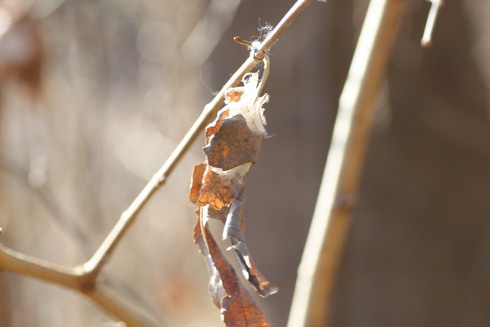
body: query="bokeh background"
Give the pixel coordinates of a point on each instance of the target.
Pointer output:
(96, 94)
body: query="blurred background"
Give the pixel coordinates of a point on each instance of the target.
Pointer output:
(96, 94)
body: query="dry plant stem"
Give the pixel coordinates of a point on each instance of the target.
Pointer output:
(431, 22)
(283, 24)
(16, 262)
(71, 278)
(321, 256)
(83, 278)
(95, 264)
(97, 261)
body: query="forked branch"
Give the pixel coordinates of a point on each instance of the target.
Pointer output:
(72, 278)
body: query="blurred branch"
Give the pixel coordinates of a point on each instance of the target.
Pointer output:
(83, 278)
(72, 278)
(22, 264)
(338, 191)
(431, 22)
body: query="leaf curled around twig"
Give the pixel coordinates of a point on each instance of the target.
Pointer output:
(232, 144)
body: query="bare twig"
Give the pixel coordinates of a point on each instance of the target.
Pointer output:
(83, 278)
(71, 278)
(16, 262)
(334, 206)
(97, 261)
(283, 24)
(431, 22)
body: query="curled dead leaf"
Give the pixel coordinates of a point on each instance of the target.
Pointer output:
(216, 124)
(235, 231)
(214, 187)
(232, 146)
(237, 306)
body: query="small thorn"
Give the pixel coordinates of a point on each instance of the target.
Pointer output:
(259, 55)
(431, 21)
(241, 41)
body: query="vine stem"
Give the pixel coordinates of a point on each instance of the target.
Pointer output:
(338, 190)
(83, 278)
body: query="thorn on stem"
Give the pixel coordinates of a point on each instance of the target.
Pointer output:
(431, 21)
(241, 41)
(258, 54)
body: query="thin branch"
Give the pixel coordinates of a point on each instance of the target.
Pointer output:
(338, 191)
(283, 24)
(16, 262)
(72, 278)
(431, 22)
(95, 264)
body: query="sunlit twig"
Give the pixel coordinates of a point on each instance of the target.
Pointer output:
(431, 22)
(72, 278)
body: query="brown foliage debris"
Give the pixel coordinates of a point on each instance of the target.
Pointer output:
(232, 146)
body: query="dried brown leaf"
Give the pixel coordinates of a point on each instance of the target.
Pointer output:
(234, 94)
(210, 188)
(237, 306)
(235, 231)
(196, 183)
(216, 124)
(233, 142)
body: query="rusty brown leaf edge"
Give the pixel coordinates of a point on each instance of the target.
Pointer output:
(236, 304)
